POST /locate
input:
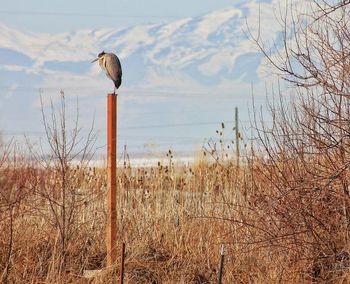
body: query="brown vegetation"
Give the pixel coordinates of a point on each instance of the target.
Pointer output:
(283, 215)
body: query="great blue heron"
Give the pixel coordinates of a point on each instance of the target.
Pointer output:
(110, 63)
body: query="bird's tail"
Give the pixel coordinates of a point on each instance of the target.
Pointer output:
(117, 83)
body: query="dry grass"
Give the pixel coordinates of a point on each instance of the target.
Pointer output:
(172, 219)
(283, 215)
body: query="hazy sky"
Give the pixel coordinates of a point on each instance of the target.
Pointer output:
(64, 15)
(164, 104)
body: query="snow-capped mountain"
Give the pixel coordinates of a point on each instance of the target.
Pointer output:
(197, 58)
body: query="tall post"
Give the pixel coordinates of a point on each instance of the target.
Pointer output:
(237, 136)
(111, 237)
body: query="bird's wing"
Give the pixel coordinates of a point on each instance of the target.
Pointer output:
(113, 67)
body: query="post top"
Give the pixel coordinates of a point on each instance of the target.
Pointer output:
(112, 94)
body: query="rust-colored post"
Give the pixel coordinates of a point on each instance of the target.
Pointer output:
(111, 238)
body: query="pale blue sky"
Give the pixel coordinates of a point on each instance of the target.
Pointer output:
(60, 16)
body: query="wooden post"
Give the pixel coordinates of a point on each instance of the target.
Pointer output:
(222, 259)
(122, 265)
(111, 237)
(237, 136)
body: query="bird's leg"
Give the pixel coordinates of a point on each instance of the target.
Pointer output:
(114, 90)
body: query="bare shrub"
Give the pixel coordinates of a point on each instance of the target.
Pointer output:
(301, 173)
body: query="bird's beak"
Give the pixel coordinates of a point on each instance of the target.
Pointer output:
(94, 60)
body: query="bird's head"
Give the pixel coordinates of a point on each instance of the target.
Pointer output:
(100, 55)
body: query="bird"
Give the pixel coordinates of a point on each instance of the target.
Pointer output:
(110, 63)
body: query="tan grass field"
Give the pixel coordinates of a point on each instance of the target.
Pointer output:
(172, 219)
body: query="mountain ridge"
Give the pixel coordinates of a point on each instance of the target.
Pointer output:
(185, 63)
